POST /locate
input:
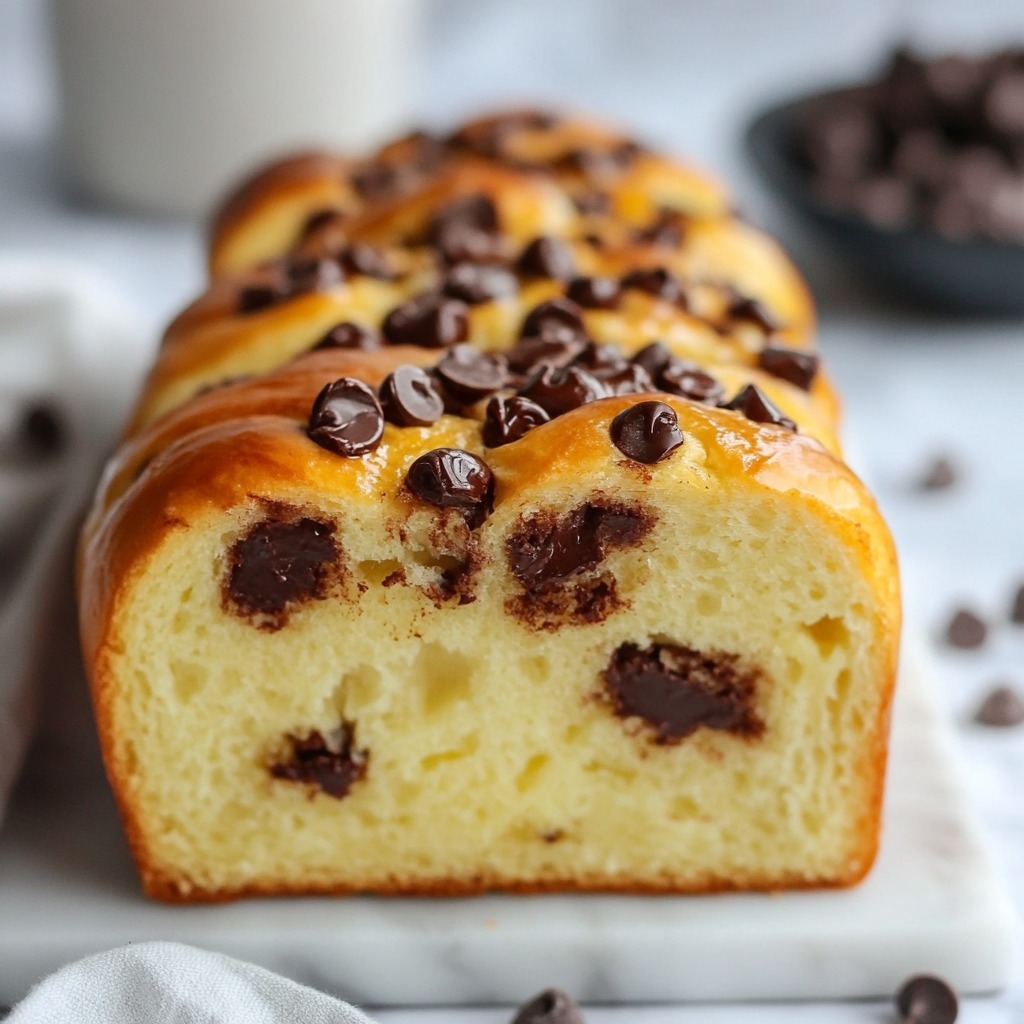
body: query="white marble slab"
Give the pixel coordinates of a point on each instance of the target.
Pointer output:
(67, 888)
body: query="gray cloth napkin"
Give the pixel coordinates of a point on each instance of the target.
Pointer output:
(72, 353)
(169, 983)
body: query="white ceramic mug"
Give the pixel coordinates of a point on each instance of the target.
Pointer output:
(166, 102)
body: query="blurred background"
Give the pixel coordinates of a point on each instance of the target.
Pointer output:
(918, 382)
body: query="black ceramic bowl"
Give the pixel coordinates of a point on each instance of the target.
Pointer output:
(976, 276)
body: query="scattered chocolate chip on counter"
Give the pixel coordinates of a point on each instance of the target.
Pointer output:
(1017, 607)
(346, 418)
(647, 432)
(939, 476)
(966, 630)
(1003, 707)
(925, 999)
(552, 1006)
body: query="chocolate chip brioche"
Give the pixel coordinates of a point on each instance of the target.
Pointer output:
(474, 532)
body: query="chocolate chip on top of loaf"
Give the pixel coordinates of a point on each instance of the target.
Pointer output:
(484, 526)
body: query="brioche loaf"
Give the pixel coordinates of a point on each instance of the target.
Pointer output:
(485, 526)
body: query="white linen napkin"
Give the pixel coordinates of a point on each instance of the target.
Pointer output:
(170, 983)
(71, 344)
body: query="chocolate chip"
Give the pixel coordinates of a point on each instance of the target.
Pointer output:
(545, 550)
(409, 398)
(799, 368)
(346, 418)
(966, 630)
(666, 230)
(653, 358)
(552, 1006)
(626, 380)
(529, 352)
(547, 256)
(452, 478)
(1017, 608)
(361, 258)
(375, 180)
(428, 320)
(592, 203)
(754, 311)
(646, 432)
(926, 1000)
(1001, 708)
(288, 281)
(758, 407)
(595, 292)
(469, 375)
(597, 357)
(557, 391)
(350, 335)
(277, 564)
(467, 230)
(675, 690)
(555, 320)
(656, 281)
(688, 380)
(331, 762)
(939, 476)
(507, 419)
(599, 164)
(479, 282)
(41, 433)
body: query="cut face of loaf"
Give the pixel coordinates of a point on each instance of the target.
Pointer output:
(598, 672)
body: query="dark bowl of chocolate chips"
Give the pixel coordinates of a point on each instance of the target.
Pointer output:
(916, 178)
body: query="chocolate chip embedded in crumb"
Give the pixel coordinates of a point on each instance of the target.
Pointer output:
(758, 407)
(592, 204)
(331, 762)
(409, 398)
(469, 375)
(479, 282)
(321, 219)
(558, 391)
(528, 353)
(966, 630)
(452, 478)
(547, 256)
(1003, 707)
(428, 320)
(375, 180)
(799, 368)
(595, 292)
(466, 229)
(350, 335)
(646, 432)
(675, 690)
(925, 999)
(277, 564)
(552, 1006)
(666, 230)
(939, 476)
(287, 281)
(627, 380)
(555, 320)
(346, 418)
(653, 358)
(508, 419)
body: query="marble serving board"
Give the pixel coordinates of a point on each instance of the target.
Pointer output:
(932, 903)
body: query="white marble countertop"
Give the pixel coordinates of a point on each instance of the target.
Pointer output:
(687, 76)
